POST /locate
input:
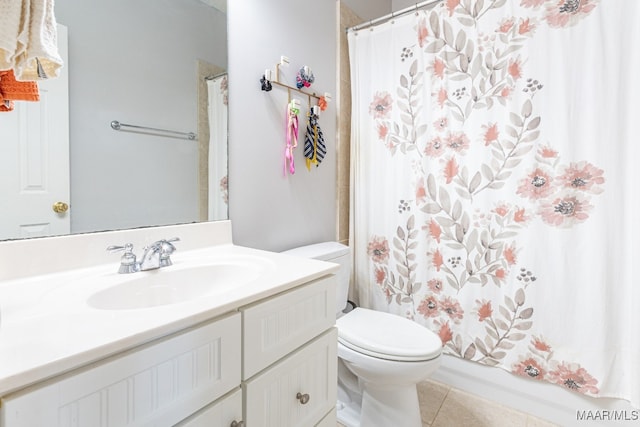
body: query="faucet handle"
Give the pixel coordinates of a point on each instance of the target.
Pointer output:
(128, 247)
(128, 262)
(173, 239)
(166, 249)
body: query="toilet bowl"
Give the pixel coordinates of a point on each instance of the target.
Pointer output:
(381, 356)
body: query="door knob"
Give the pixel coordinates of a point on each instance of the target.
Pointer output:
(60, 207)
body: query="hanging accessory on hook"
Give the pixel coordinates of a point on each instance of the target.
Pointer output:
(293, 108)
(314, 146)
(324, 100)
(322, 103)
(265, 80)
(266, 84)
(304, 78)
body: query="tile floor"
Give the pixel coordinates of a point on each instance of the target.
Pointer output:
(443, 406)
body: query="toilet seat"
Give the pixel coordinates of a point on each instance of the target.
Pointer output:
(387, 336)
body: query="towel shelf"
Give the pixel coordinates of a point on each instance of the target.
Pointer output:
(116, 125)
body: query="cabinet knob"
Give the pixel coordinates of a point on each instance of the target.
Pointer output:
(237, 424)
(303, 398)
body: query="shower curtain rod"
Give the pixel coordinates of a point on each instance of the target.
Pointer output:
(395, 14)
(215, 76)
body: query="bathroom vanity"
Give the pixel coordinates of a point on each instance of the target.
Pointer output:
(258, 348)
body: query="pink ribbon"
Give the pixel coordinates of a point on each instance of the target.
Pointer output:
(292, 141)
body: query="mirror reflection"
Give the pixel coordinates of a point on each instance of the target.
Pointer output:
(153, 63)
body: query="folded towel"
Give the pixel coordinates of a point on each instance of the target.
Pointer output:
(40, 59)
(5, 106)
(13, 34)
(13, 90)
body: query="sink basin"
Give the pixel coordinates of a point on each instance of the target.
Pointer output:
(172, 285)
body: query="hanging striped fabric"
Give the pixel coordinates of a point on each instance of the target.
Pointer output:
(314, 146)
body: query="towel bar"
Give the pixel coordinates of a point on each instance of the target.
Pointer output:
(116, 125)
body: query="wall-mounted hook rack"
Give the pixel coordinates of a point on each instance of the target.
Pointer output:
(284, 62)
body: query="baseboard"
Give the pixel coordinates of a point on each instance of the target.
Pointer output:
(542, 400)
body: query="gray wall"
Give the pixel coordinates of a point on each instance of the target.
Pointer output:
(402, 4)
(135, 61)
(268, 210)
(371, 9)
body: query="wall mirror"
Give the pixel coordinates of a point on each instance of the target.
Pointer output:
(157, 64)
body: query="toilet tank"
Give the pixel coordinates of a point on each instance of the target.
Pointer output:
(331, 252)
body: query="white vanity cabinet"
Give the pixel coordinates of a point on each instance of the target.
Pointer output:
(290, 357)
(158, 384)
(300, 390)
(269, 363)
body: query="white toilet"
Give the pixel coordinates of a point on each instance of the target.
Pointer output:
(381, 356)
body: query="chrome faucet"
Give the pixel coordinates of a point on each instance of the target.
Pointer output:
(156, 255)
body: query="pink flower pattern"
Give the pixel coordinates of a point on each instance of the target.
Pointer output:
(381, 105)
(565, 210)
(506, 25)
(423, 32)
(566, 13)
(429, 307)
(383, 130)
(547, 152)
(574, 377)
(451, 308)
(530, 368)
(378, 249)
(484, 310)
(582, 176)
(435, 285)
(435, 147)
(491, 133)
(484, 250)
(526, 27)
(458, 142)
(538, 184)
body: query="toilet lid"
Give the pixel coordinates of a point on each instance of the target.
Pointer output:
(387, 336)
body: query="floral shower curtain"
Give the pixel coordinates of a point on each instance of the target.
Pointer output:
(494, 185)
(218, 132)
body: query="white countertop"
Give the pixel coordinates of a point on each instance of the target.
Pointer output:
(47, 328)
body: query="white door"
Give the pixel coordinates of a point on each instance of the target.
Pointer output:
(34, 160)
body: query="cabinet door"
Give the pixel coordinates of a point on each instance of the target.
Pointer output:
(277, 326)
(222, 413)
(156, 385)
(297, 391)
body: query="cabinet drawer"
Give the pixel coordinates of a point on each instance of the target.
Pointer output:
(157, 385)
(276, 327)
(278, 396)
(222, 413)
